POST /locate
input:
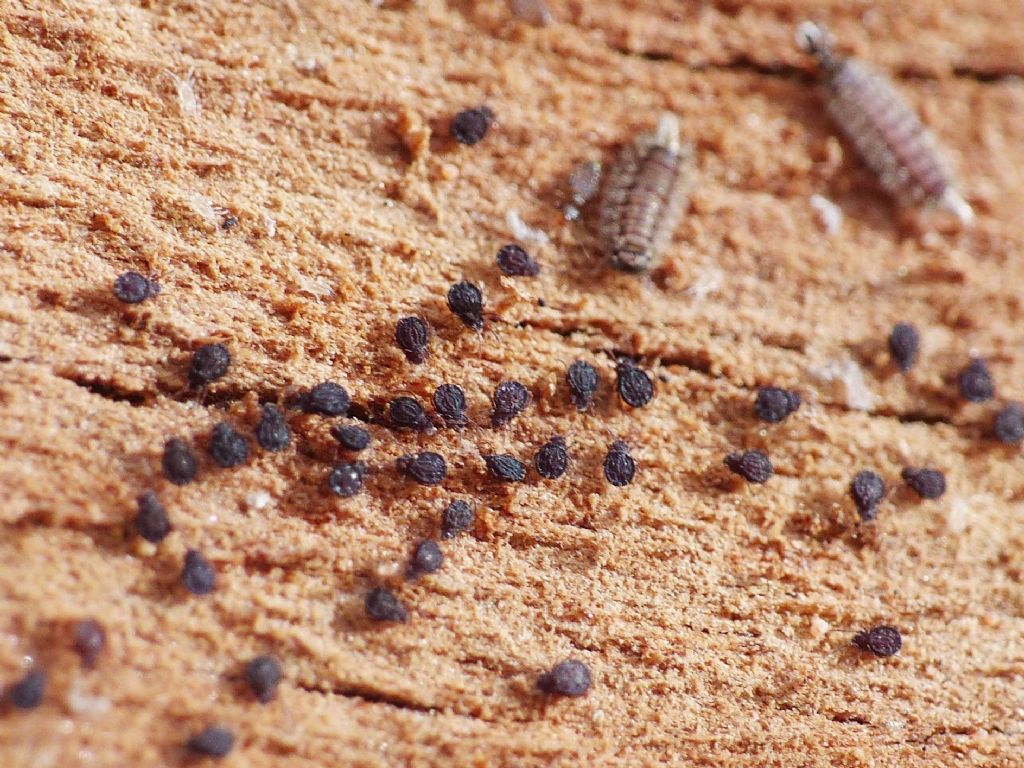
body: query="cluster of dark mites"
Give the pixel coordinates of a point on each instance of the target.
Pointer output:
(228, 447)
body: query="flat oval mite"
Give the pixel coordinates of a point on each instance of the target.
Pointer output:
(886, 133)
(644, 195)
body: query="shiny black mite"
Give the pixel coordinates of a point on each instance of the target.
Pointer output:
(884, 130)
(505, 467)
(619, 466)
(351, 437)
(450, 404)
(471, 125)
(904, 345)
(927, 483)
(179, 463)
(89, 640)
(583, 381)
(28, 692)
(213, 742)
(209, 363)
(413, 336)
(198, 574)
(975, 382)
(381, 604)
(634, 385)
(567, 678)
(1008, 425)
(456, 518)
(133, 288)
(227, 446)
(774, 404)
(346, 479)
(644, 194)
(552, 459)
(151, 521)
(514, 261)
(882, 641)
(867, 490)
(426, 558)
(426, 467)
(466, 302)
(407, 413)
(753, 466)
(263, 674)
(509, 400)
(327, 398)
(272, 432)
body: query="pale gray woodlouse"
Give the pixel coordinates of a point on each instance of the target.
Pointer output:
(889, 137)
(644, 195)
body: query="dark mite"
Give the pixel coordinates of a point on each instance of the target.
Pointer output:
(133, 288)
(552, 459)
(450, 404)
(644, 195)
(179, 463)
(881, 641)
(619, 466)
(774, 404)
(272, 432)
(514, 261)
(426, 468)
(867, 490)
(456, 518)
(904, 345)
(509, 400)
(263, 674)
(752, 466)
(197, 574)
(213, 742)
(975, 382)
(209, 363)
(466, 302)
(1008, 425)
(567, 678)
(346, 479)
(927, 483)
(471, 125)
(412, 336)
(885, 131)
(381, 604)
(583, 381)
(635, 387)
(505, 467)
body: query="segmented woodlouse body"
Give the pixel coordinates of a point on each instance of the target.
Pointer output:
(644, 196)
(889, 137)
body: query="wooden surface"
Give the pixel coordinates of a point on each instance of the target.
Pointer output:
(716, 617)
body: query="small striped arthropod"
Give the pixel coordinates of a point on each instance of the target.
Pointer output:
(885, 131)
(584, 179)
(644, 196)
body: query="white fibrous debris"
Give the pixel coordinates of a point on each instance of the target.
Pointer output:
(858, 396)
(316, 286)
(257, 500)
(958, 516)
(708, 281)
(819, 627)
(830, 214)
(188, 102)
(522, 232)
(202, 206)
(307, 65)
(81, 703)
(271, 225)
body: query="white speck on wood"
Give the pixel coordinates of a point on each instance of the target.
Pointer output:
(829, 214)
(257, 500)
(858, 396)
(188, 101)
(81, 703)
(271, 225)
(522, 232)
(203, 206)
